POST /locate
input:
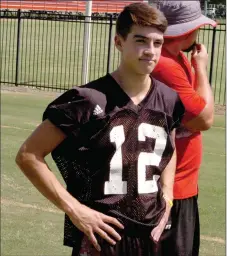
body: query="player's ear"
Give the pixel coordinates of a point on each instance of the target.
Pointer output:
(118, 42)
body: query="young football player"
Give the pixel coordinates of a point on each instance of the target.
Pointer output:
(113, 142)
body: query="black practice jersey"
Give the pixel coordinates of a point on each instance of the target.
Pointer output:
(115, 151)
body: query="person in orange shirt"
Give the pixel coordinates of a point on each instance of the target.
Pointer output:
(190, 80)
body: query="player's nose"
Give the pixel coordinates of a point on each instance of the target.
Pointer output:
(150, 50)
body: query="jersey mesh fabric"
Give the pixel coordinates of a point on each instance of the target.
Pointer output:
(89, 168)
(127, 246)
(84, 158)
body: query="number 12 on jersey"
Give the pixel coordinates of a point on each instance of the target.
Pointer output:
(116, 185)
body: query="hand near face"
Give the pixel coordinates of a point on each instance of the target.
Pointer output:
(199, 57)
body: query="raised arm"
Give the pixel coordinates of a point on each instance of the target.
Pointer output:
(198, 102)
(199, 62)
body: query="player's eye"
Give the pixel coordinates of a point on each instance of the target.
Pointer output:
(140, 41)
(158, 43)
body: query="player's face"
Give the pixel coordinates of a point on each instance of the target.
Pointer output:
(141, 50)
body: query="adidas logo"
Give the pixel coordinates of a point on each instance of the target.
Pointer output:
(97, 110)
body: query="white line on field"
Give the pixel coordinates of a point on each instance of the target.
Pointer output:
(219, 127)
(16, 128)
(212, 239)
(215, 154)
(46, 94)
(23, 205)
(7, 202)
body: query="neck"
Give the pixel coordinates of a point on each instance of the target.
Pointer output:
(135, 85)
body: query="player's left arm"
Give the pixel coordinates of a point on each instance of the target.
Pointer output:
(167, 177)
(167, 181)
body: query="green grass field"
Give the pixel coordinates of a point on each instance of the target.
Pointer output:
(30, 225)
(51, 53)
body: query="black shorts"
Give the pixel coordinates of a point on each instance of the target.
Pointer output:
(185, 235)
(135, 241)
(130, 246)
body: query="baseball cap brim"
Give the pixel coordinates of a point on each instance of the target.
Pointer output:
(187, 27)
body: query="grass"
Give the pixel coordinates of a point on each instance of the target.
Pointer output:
(51, 53)
(30, 225)
(26, 230)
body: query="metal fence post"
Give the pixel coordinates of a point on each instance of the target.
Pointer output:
(87, 42)
(109, 44)
(18, 46)
(212, 55)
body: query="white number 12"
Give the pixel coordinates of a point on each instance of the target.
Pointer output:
(115, 185)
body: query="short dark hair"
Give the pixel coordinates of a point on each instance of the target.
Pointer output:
(141, 14)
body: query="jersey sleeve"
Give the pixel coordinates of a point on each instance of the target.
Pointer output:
(69, 111)
(174, 77)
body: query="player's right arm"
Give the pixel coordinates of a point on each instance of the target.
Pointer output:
(198, 102)
(199, 62)
(31, 160)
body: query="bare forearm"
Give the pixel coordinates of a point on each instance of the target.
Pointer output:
(37, 171)
(205, 119)
(199, 62)
(203, 87)
(167, 178)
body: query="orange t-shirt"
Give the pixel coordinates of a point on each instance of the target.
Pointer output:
(176, 72)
